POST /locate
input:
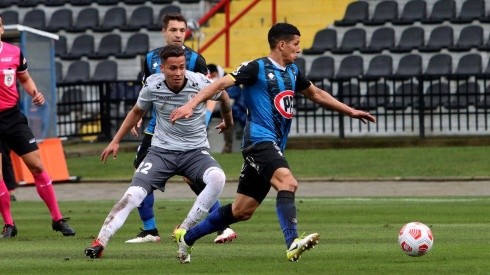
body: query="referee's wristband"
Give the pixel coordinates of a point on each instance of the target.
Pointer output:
(208, 116)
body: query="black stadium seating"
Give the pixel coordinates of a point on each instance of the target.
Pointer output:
(353, 39)
(105, 70)
(411, 38)
(470, 10)
(413, 11)
(382, 39)
(61, 19)
(357, 12)
(324, 40)
(385, 11)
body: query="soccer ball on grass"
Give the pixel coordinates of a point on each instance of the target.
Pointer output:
(415, 239)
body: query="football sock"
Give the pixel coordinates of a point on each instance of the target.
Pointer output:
(46, 192)
(146, 212)
(220, 218)
(119, 213)
(5, 203)
(286, 213)
(214, 178)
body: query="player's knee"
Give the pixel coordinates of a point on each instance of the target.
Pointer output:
(215, 176)
(133, 197)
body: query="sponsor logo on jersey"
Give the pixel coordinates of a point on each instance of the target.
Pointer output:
(284, 103)
(6, 59)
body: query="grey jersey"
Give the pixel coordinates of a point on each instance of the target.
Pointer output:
(185, 134)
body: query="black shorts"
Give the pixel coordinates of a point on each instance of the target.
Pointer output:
(142, 150)
(260, 162)
(15, 132)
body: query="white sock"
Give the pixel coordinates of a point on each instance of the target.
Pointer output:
(214, 178)
(119, 213)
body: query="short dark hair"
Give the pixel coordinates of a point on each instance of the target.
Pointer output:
(212, 68)
(172, 16)
(281, 31)
(171, 51)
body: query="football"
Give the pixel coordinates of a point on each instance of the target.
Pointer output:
(415, 239)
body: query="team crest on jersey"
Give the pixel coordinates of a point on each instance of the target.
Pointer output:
(8, 78)
(284, 103)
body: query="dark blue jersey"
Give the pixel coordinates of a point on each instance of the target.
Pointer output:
(268, 91)
(193, 62)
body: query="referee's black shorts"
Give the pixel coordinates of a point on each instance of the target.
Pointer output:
(15, 132)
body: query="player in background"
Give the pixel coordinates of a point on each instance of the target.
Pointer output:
(173, 30)
(269, 84)
(176, 149)
(16, 135)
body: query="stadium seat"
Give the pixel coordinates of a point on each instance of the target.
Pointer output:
(137, 44)
(380, 66)
(6, 3)
(440, 38)
(134, 2)
(87, 18)
(83, 45)
(382, 39)
(161, 1)
(10, 17)
(78, 71)
(58, 71)
(113, 19)
(404, 96)
(465, 95)
(81, 2)
(70, 101)
(27, 3)
(483, 101)
(410, 39)
(350, 94)
(158, 24)
(469, 37)
(436, 94)
(105, 70)
(385, 11)
(409, 66)
(485, 46)
(322, 68)
(470, 10)
(354, 39)
(356, 12)
(110, 44)
(377, 95)
(54, 3)
(60, 46)
(350, 67)
(325, 40)
(442, 10)
(413, 11)
(189, 1)
(468, 65)
(142, 17)
(301, 63)
(36, 19)
(107, 2)
(440, 65)
(61, 19)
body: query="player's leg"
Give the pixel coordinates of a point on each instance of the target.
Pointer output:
(208, 176)
(251, 192)
(116, 218)
(9, 229)
(21, 140)
(145, 209)
(8, 171)
(281, 178)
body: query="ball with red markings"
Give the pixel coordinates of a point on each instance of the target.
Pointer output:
(415, 239)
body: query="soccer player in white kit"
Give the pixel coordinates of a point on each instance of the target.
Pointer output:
(176, 149)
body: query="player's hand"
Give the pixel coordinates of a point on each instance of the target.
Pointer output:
(38, 98)
(135, 129)
(112, 148)
(363, 116)
(181, 112)
(222, 127)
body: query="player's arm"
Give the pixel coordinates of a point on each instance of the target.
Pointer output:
(226, 113)
(326, 100)
(212, 89)
(27, 82)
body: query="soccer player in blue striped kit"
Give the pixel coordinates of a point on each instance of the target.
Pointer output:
(269, 84)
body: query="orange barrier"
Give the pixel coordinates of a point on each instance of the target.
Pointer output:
(53, 158)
